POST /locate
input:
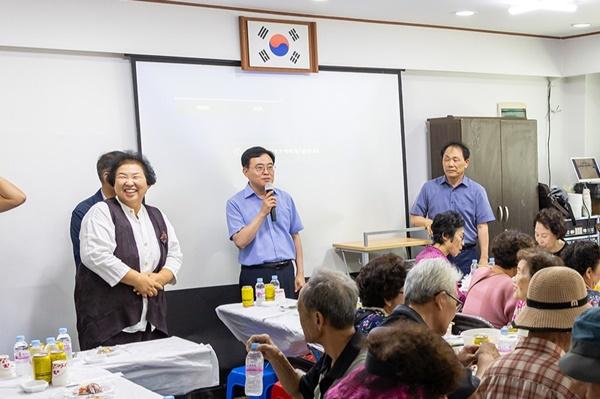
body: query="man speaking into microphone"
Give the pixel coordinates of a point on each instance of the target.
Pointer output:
(264, 224)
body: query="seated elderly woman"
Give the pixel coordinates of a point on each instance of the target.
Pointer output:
(530, 261)
(550, 228)
(404, 360)
(380, 285)
(491, 294)
(584, 256)
(447, 233)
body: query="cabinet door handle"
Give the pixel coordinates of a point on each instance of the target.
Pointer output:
(501, 212)
(507, 213)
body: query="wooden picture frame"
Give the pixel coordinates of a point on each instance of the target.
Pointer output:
(272, 45)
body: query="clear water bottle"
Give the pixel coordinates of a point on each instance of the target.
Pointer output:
(259, 290)
(507, 342)
(491, 262)
(22, 357)
(275, 282)
(279, 293)
(254, 372)
(65, 338)
(473, 266)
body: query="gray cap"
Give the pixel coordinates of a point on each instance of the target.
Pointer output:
(582, 362)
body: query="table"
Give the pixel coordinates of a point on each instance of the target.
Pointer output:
(170, 366)
(377, 245)
(122, 388)
(282, 323)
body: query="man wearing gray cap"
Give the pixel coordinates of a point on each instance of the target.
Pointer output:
(582, 362)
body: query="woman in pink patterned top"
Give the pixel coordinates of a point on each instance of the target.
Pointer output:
(405, 360)
(491, 294)
(530, 261)
(447, 233)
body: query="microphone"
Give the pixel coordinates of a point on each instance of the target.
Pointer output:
(269, 188)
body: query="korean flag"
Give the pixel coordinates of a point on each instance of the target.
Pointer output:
(280, 45)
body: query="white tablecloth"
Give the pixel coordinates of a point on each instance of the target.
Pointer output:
(282, 323)
(170, 366)
(122, 388)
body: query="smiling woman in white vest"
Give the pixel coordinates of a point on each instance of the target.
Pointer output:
(129, 251)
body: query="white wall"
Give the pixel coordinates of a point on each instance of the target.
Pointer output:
(580, 56)
(58, 113)
(429, 94)
(592, 116)
(146, 28)
(568, 133)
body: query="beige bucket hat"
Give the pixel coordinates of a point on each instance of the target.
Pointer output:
(556, 296)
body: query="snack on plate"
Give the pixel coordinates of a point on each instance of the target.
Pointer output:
(89, 389)
(105, 350)
(480, 339)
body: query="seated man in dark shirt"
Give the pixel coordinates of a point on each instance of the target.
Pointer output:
(326, 306)
(430, 299)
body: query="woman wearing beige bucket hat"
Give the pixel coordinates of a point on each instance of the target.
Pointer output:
(555, 297)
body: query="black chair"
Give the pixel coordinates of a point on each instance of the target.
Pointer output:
(409, 263)
(463, 322)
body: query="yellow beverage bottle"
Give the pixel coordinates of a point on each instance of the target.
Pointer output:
(269, 292)
(42, 367)
(247, 296)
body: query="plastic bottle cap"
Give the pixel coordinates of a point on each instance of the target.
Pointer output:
(169, 397)
(274, 277)
(504, 330)
(35, 342)
(474, 261)
(62, 330)
(20, 338)
(259, 280)
(254, 346)
(50, 340)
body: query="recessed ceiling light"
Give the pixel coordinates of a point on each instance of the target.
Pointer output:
(581, 25)
(547, 5)
(465, 13)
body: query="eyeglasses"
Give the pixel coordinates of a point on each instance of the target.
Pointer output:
(260, 168)
(458, 301)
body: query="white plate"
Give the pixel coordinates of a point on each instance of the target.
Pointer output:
(34, 386)
(73, 393)
(11, 375)
(288, 306)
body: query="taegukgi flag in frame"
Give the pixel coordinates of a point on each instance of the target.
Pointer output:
(278, 45)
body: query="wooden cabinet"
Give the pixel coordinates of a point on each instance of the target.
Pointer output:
(503, 160)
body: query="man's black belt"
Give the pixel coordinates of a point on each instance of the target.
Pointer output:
(270, 265)
(469, 246)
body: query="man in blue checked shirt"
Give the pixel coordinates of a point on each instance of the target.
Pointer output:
(456, 192)
(267, 245)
